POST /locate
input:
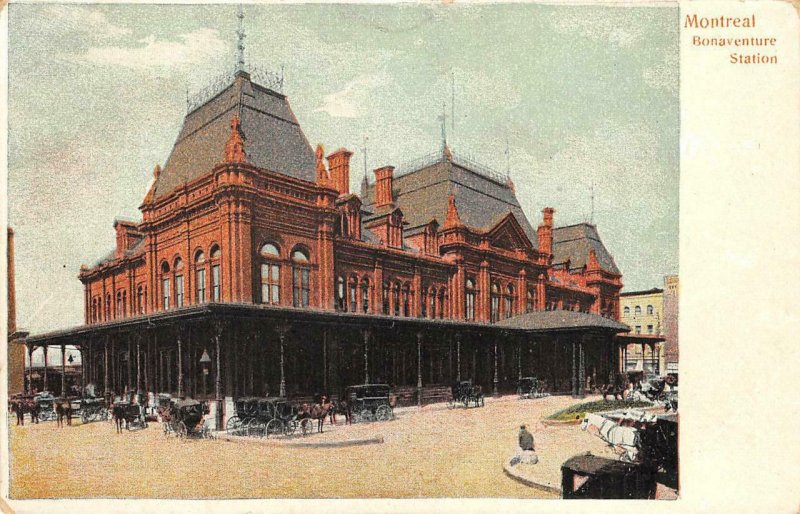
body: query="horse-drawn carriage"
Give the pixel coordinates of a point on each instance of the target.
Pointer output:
(45, 406)
(530, 387)
(90, 409)
(370, 402)
(467, 394)
(266, 417)
(187, 418)
(132, 414)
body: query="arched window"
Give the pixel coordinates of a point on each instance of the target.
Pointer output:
(301, 288)
(407, 300)
(385, 298)
(470, 300)
(178, 266)
(108, 307)
(495, 303)
(442, 298)
(340, 297)
(508, 309)
(650, 310)
(637, 311)
(119, 304)
(424, 303)
(270, 274)
(529, 300)
(432, 303)
(626, 311)
(200, 276)
(140, 300)
(352, 287)
(365, 295)
(216, 273)
(396, 298)
(165, 286)
(124, 303)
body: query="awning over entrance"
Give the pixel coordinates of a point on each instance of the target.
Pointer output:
(549, 321)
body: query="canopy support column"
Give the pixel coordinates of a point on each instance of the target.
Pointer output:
(419, 369)
(218, 376)
(366, 355)
(180, 367)
(282, 331)
(44, 384)
(63, 370)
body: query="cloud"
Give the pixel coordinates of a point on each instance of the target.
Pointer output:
(598, 27)
(347, 102)
(190, 50)
(664, 75)
(94, 22)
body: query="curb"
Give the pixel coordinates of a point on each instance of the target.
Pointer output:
(558, 423)
(546, 486)
(378, 439)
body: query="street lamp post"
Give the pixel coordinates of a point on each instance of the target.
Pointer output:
(205, 362)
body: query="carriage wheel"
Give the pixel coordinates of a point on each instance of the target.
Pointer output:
(84, 417)
(383, 413)
(252, 429)
(366, 416)
(181, 431)
(233, 424)
(290, 427)
(451, 404)
(274, 428)
(306, 426)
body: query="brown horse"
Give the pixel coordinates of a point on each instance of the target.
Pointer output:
(315, 411)
(341, 407)
(63, 409)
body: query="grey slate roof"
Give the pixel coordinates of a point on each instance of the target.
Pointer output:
(573, 243)
(481, 202)
(563, 320)
(273, 138)
(137, 248)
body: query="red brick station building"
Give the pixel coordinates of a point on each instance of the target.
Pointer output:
(255, 270)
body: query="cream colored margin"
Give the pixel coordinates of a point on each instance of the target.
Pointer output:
(740, 321)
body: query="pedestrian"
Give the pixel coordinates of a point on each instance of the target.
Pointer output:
(526, 454)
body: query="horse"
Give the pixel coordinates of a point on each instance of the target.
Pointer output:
(118, 415)
(63, 409)
(17, 406)
(314, 411)
(341, 407)
(624, 438)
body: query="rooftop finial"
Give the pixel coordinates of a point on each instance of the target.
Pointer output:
(240, 35)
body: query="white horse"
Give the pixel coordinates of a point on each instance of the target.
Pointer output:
(624, 438)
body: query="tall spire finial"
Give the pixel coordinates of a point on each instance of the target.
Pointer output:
(240, 35)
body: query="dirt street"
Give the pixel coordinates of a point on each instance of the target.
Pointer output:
(432, 452)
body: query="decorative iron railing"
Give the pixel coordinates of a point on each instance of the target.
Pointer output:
(465, 162)
(213, 87)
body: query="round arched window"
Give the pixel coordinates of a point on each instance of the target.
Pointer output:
(269, 250)
(300, 255)
(178, 264)
(199, 257)
(215, 252)
(164, 267)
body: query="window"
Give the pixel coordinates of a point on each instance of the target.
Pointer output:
(508, 309)
(300, 287)
(385, 298)
(637, 311)
(626, 311)
(529, 301)
(119, 304)
(200, 284)
(216, 273)
(649, 310)
(649, 329)
(424, 303)
(432, 303)
(108, 307)
(638, 329)
(495, 303)
(340, 299)
(270, 250)
(406, 301)
(215, 283)
(365, 295)
(165, 293)
(442, 296)
(353, 298)
(270, 283)
(470, 300)
(300, 278)
(179, 291)
(396, 299)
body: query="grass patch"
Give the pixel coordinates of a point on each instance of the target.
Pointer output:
(579, 410)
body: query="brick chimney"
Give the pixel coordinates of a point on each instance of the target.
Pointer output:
(127, 234)
(339, 166)
(383, 186)
(545, 232)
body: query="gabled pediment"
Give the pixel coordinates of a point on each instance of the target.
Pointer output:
(508, 234)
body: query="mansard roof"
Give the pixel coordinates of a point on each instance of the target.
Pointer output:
(572, 243)
(482, 201)
(273, 138)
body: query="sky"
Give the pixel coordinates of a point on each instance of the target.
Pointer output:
(585, 98)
